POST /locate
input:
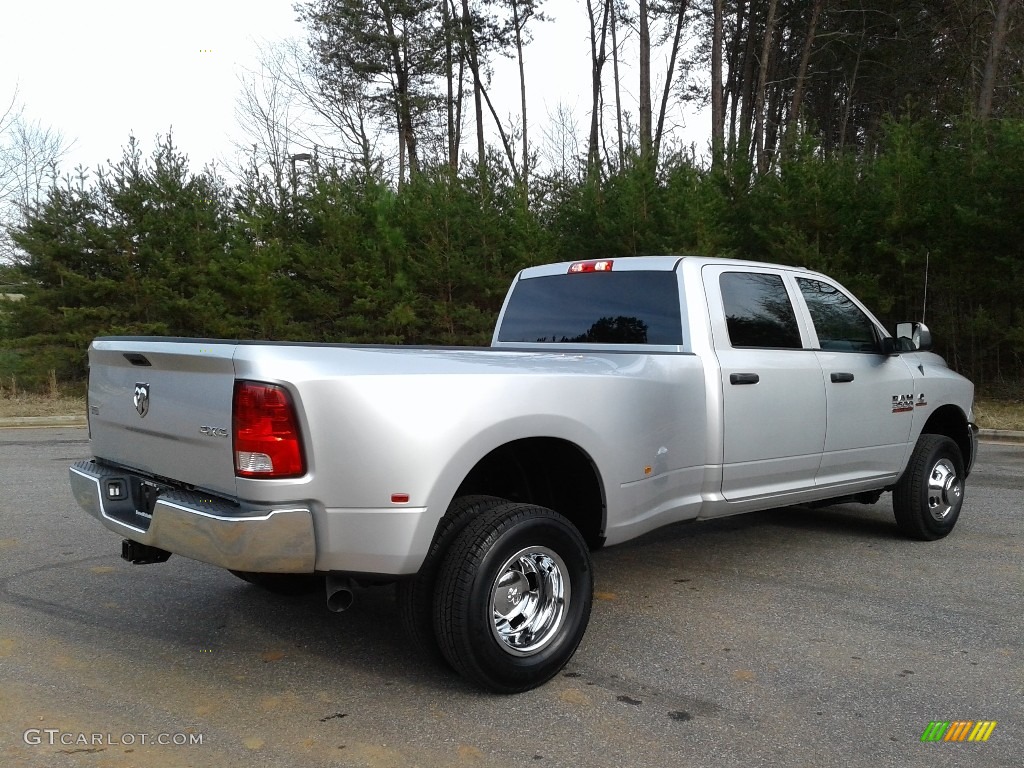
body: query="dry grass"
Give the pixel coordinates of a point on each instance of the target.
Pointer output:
(999, 414)
(25, 404)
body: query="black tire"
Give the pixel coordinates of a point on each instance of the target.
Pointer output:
(532, 562)
(288, 584)
(930, 493)
(415, 596)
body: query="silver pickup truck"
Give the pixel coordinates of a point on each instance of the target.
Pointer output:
(617, 396)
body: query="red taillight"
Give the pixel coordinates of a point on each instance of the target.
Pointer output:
(266, 432)
(604, 265)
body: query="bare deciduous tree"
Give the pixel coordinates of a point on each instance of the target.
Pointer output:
(995, 52)
(645, 81)
(284, 105)
(717, 92)
(801, 76)
(560, 150)
(599, 21)
(30, 156)
(762, 87)
(262, 109)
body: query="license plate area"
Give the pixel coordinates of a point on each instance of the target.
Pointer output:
(130, 499)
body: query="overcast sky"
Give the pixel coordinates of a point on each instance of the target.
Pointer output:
(99, 70)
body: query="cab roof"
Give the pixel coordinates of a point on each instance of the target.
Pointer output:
(646, 264)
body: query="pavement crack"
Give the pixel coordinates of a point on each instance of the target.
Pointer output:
(335, 716)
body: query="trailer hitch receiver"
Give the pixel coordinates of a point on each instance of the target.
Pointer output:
(142, 554)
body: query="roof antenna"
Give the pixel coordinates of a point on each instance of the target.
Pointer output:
(924, 302)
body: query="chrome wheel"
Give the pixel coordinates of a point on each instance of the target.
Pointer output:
(944, 489)
(529, 600)
(513, 597)
(929, 495)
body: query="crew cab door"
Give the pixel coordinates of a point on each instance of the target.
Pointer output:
(869, 394)
(773, 395)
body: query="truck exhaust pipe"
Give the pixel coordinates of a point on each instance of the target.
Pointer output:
(339, 593)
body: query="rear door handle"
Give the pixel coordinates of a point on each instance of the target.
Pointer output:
(744, 378)
(841, 378)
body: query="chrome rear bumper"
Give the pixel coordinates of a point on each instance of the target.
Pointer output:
(240, 537)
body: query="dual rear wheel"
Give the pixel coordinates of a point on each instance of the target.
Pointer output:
(508, 596)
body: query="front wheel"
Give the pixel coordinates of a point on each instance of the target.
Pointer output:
(513, 597)
(928, 497)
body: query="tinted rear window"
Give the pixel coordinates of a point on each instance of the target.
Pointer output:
(595, 308)
(758, 311)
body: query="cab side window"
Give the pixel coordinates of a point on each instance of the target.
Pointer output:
(840, 324)
(758, 311)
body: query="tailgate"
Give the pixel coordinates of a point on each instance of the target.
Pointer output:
(164, 408)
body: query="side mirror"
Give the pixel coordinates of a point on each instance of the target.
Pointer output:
(913, 337)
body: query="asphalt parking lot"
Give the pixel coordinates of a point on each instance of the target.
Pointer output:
(786, 638)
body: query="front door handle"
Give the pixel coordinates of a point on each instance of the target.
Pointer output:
(841, 378)
(744, 378)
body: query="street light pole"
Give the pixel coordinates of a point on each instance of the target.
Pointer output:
(305, 157)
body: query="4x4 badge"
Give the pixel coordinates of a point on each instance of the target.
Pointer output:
(141, 399)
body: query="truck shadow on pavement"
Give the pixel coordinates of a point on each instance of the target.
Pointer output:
(193, 611)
